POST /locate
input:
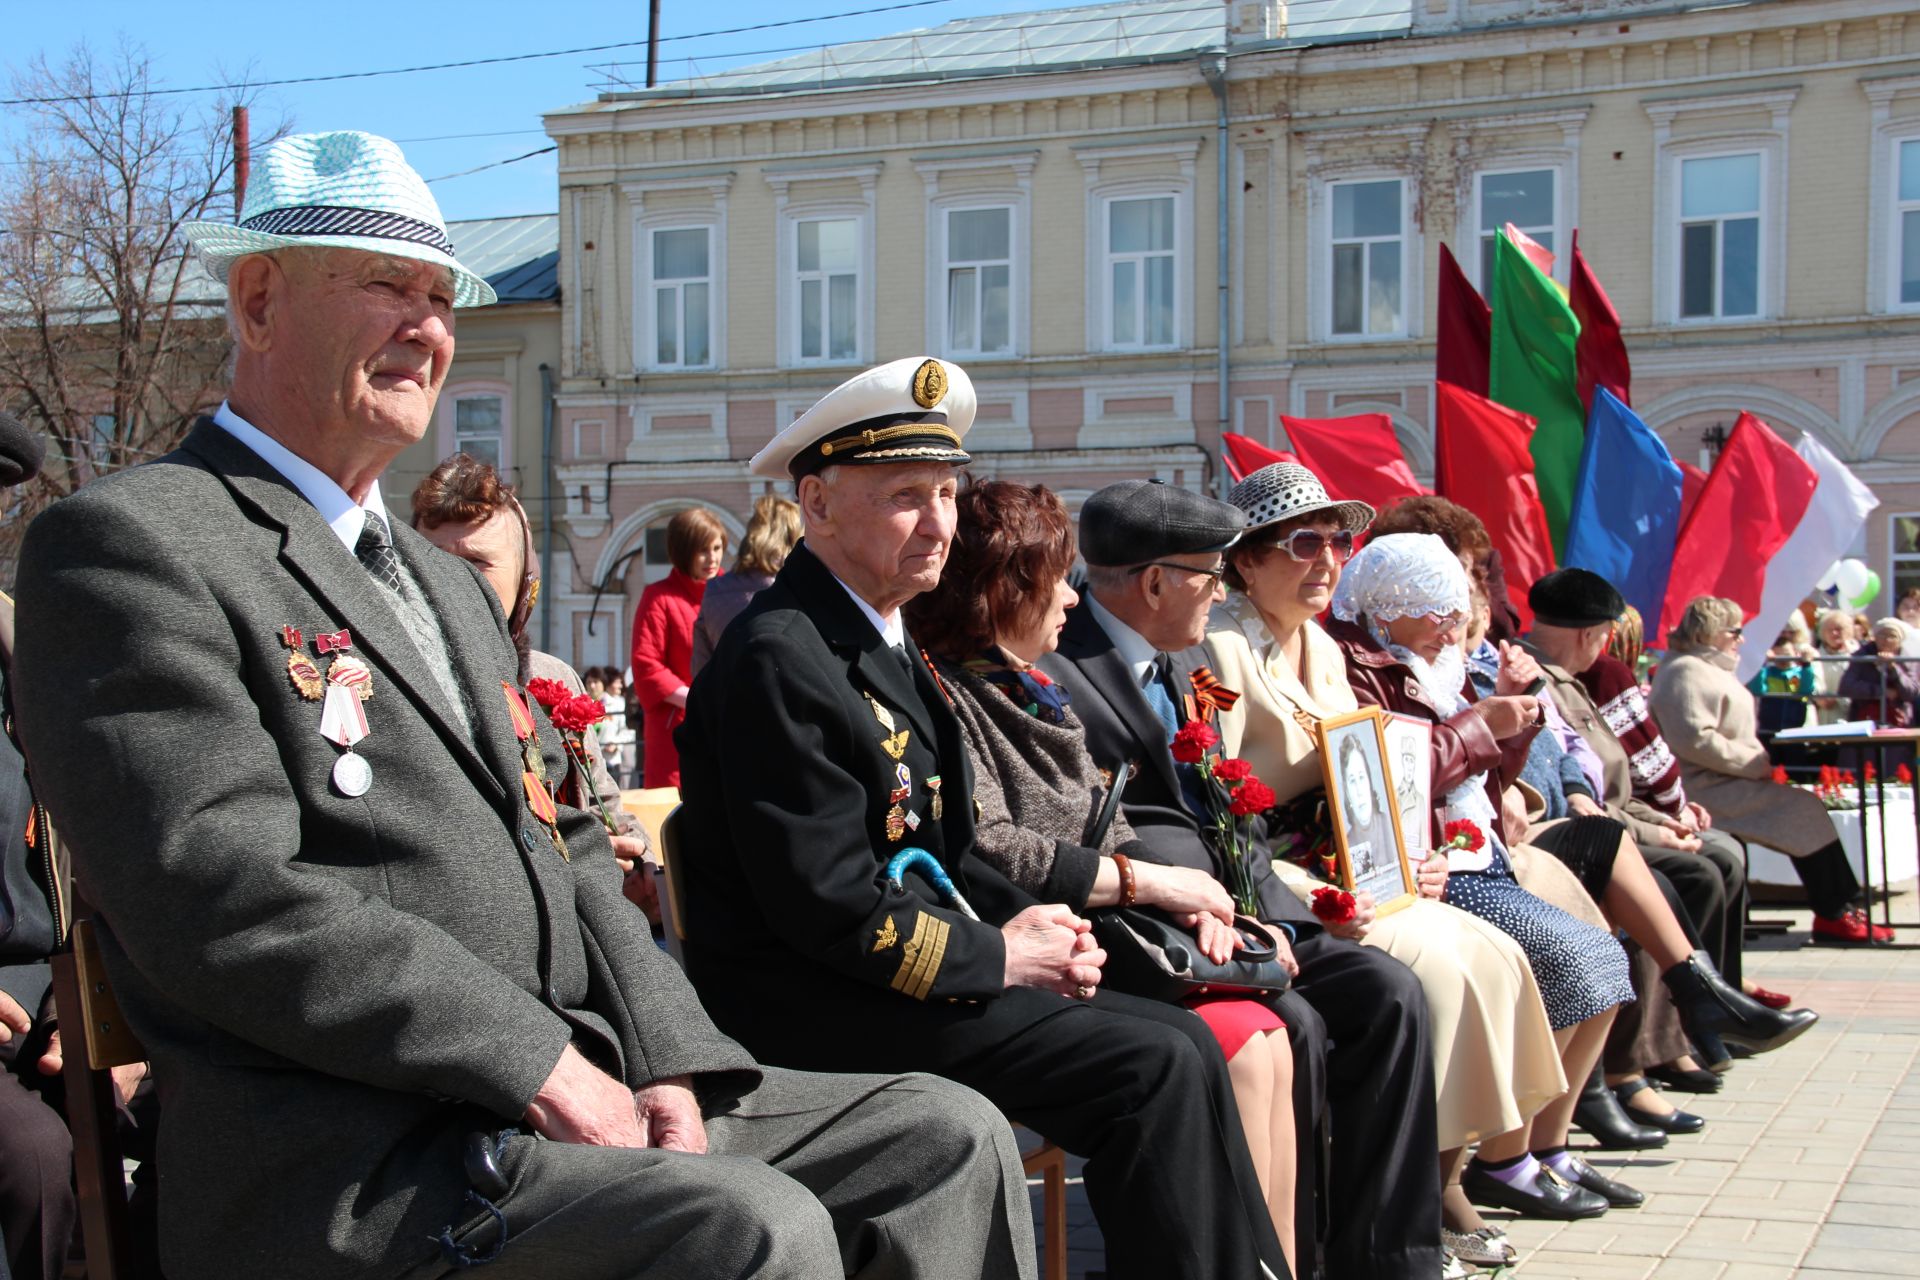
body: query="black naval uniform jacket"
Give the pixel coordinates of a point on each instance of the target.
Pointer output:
(787, 781)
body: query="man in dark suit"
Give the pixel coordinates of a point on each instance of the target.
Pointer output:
(1129, 657)
(338, 901)
(818, 747)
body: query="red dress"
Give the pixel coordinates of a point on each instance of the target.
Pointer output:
(662, 663)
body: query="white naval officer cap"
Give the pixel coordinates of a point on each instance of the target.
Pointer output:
(913, 410)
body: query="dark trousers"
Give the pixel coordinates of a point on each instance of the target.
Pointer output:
(1383, 1180)
(1136, 1087)
(1712, 885)
(37, 1210)
(1647, 1032)
(1828, 879)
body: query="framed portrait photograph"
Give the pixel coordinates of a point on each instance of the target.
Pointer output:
(1410, 766)
(1363, 808)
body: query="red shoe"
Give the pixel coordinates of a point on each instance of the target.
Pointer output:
(1880, 932)
(1851, 930)
(1771, 999)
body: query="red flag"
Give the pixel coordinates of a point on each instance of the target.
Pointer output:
(1692, 481)
(1483, 448)
(1245, 455)
(1464, 346)
(1357, 458)
(1538, 254)
(1601, 354)
(1752, 500)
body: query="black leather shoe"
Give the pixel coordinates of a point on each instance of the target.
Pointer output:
(1600, 1114)
(1676, 1121)
(1618, 1195)
(1550, 1196)
(1714, 1012)
(1690, 1081)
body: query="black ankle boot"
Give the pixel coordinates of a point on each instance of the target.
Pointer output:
(1608, 1123)
(1713, 1012)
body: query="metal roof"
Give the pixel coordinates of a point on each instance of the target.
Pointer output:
(1023, 43)
(519, 257)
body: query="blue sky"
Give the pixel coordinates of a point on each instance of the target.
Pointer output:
(204, 43)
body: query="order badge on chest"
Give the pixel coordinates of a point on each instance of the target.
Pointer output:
(347, 684)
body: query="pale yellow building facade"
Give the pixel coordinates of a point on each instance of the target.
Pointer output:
(1046, 211)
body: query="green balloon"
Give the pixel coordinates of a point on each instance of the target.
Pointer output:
(1867, 593)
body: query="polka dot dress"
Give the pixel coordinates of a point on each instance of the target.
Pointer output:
(1581, 969)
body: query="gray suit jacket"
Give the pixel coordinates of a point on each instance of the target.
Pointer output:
(335, 991)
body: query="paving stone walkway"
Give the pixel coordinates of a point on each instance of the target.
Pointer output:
(1809, 1167)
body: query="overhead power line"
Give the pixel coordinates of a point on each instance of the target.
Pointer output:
(468, 62)
(494, 164)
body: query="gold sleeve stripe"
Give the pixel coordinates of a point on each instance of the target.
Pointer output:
(920, 958)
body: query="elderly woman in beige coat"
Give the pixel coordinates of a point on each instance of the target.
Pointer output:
(1496, 1064)
(1707, 718)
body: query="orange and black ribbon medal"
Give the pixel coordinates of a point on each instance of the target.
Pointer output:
(533, 776)
(1211, 694)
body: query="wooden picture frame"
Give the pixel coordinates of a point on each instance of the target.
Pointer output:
(1372, 849)
(1410, 769)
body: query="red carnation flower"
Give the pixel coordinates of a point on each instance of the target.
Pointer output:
(1780, 773)
(1251, 797)
(578, 714)
(1463, 835)
(1233, 771)
(1333, 906)
(1847, 779)
(1191, 744)
(548, 693)
(1903, 775)
(1871, 774)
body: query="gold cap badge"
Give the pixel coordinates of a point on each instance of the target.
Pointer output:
(929, 383)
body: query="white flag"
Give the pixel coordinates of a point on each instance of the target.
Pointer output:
(1835, 516)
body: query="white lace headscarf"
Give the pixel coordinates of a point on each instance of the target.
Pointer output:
(1411, 575)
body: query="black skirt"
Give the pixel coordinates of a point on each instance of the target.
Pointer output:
(1587, 846)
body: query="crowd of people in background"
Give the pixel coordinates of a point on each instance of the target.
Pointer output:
(988, 812)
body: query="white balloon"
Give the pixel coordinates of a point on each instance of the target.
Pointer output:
(1850, 577)
(1831, 578)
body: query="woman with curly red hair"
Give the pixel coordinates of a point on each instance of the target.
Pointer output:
(1000, 605)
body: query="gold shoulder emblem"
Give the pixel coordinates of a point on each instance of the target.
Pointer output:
(885, 936)
(929, 384)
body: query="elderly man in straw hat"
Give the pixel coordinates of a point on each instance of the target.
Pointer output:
(401, 1018)
(818, 749)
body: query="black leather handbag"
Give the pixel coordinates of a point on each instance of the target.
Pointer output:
(1150, 955)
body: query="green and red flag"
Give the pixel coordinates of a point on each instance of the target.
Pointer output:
(1535, 371)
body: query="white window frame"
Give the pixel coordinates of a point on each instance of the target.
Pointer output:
(797, 280)
(1895, 558)
(1562, 235)
(648, 355)
(791, 210)
(939, 311)
(1677, 230)
(447, 412)
(1320, 216)
(1102, 189)
(674, 189)
(1109, 260)
(1896, 212)
(1712, 138)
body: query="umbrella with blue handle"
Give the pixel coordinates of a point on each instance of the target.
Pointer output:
(929, 866)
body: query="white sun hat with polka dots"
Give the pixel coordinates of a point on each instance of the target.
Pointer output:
(1282, 490)
(343, 190)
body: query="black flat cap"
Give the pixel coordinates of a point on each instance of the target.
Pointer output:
(1140, 520)
(1575, 598)
(21, 452)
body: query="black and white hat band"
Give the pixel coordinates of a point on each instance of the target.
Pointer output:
(337, 220)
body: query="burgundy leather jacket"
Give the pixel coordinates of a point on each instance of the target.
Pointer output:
(1462, 743)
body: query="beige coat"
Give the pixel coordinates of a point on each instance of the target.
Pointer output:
(1495, 1063)
(1707, 717)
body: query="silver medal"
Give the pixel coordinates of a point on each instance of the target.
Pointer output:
(352, 775)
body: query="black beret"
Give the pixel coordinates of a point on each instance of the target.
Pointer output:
(1140, 520)
(1575, 598)
(21, 452)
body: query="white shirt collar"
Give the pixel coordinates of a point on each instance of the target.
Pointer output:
(1135, 649)
(344, 516)
(890, 627)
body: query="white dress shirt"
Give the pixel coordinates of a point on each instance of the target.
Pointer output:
(343, 515)
(891, 629)
(1134, 649)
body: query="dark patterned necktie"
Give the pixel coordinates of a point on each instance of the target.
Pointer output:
(375, 551)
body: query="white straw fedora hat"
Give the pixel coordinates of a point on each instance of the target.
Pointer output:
(344, 190)
(1282, 490)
